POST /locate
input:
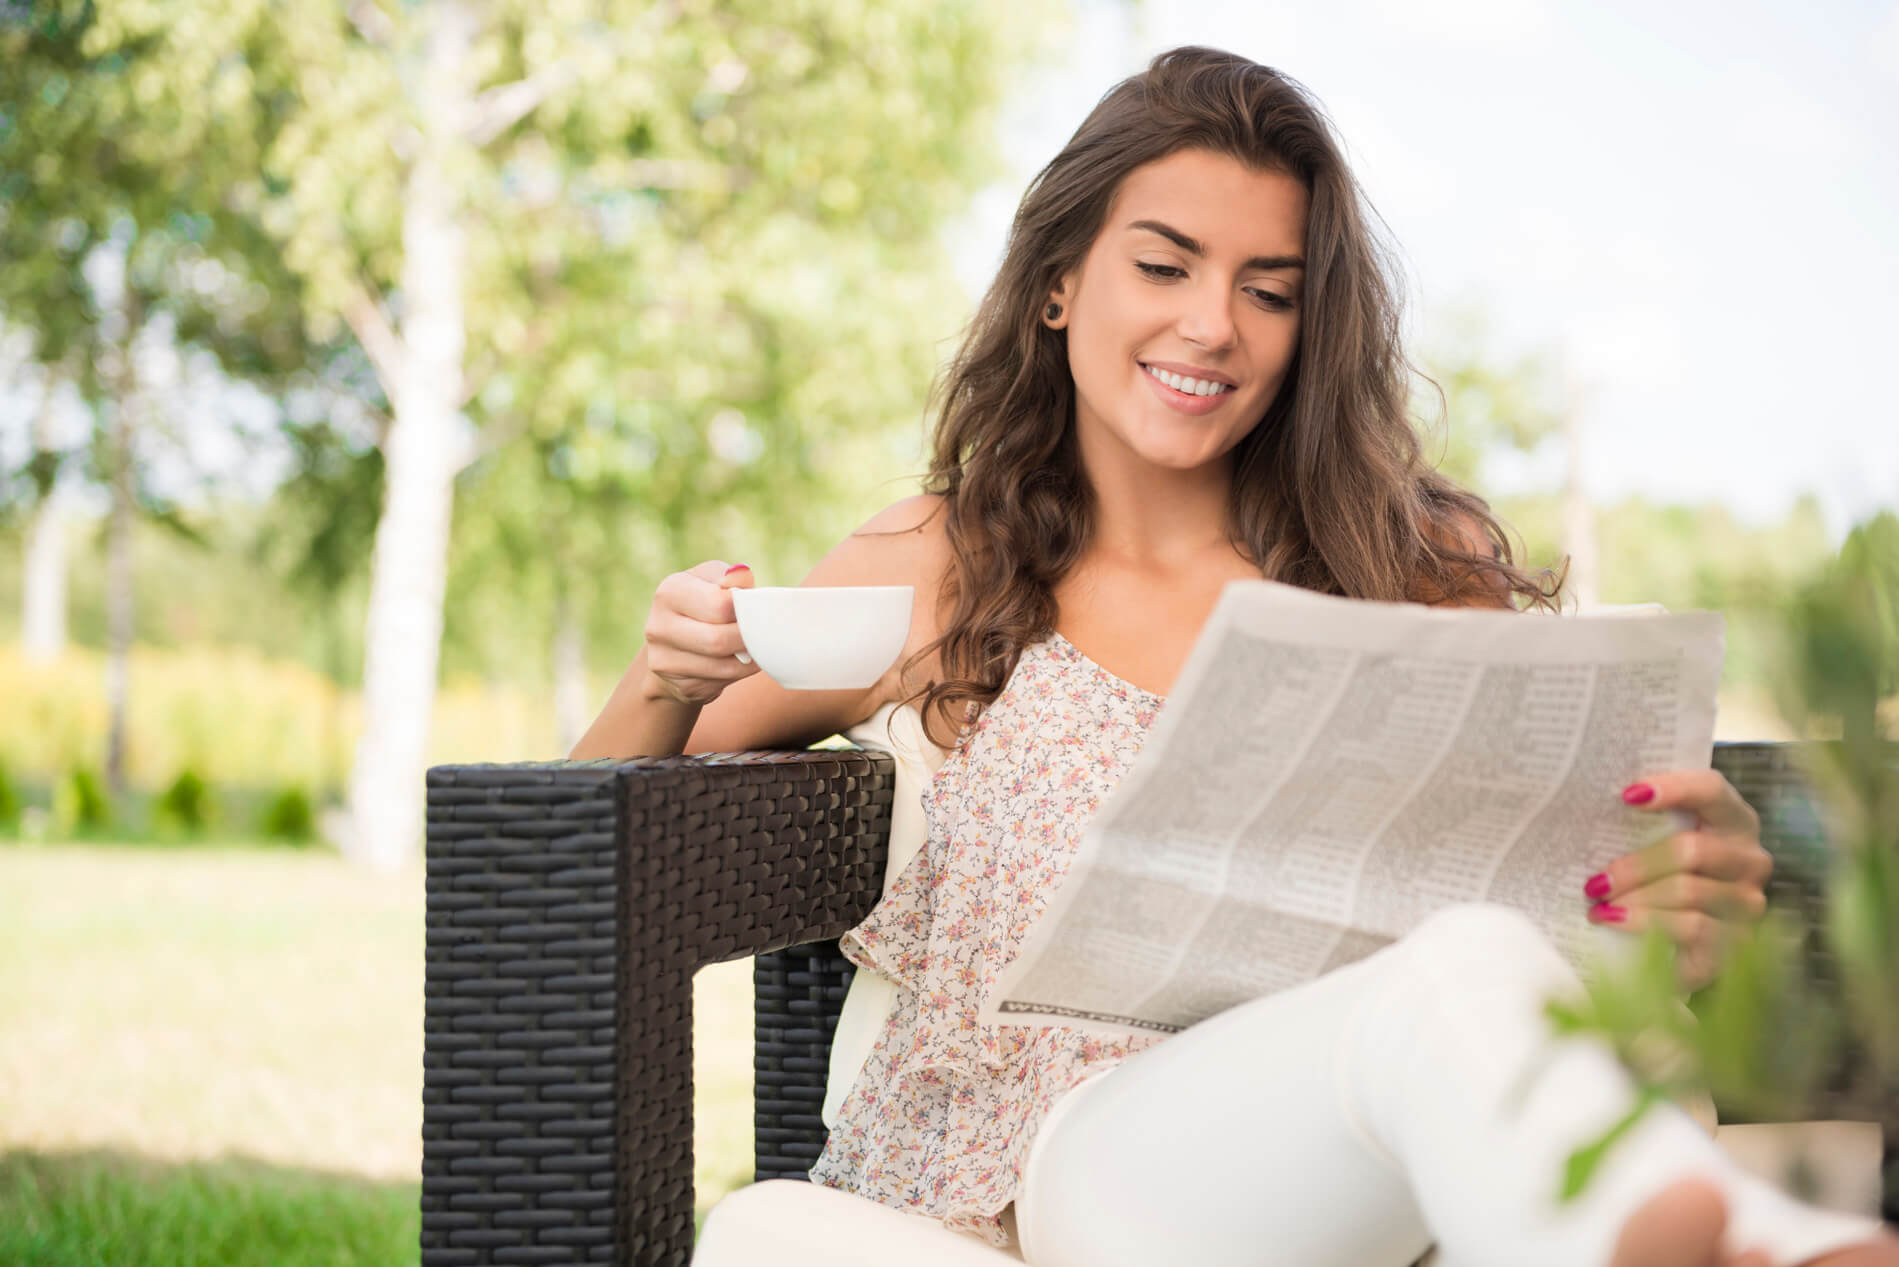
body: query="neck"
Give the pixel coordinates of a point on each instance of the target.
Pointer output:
(1157, 518)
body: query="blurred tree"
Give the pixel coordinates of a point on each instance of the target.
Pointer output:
(39, 492)
(697, 181)
(1479, 408)
(125, 253)
(1477, 405)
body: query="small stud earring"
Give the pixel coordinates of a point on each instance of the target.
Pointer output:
(1052, 311)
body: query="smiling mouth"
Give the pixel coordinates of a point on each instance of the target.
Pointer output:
(1187, 386)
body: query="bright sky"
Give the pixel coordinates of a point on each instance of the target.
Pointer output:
(1694, 205)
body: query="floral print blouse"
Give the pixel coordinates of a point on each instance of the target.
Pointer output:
(941, 1118)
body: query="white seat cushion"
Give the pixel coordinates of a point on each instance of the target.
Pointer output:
(898, 730)
(790, 1223)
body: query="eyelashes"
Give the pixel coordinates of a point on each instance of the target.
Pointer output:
(1167, 272)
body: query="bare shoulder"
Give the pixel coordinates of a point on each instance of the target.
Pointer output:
(899, 545)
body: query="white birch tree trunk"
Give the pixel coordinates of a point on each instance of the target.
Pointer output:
(423, 451)
(119, 614)
(43, 586)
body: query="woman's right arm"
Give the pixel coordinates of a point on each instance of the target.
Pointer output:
(687, 692)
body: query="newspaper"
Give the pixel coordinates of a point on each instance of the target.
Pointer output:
(1326, 772)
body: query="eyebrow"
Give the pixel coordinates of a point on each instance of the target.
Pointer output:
(1189, 245)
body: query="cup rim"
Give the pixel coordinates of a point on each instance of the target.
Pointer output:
(812, 589)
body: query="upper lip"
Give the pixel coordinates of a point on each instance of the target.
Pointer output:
(1192, 371)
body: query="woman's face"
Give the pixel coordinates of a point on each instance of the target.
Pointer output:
(1195, 275)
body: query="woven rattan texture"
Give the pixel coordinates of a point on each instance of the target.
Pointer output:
(1769, 777)
(569, 905)
(798, 994)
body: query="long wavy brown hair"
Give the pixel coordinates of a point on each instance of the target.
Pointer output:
(1329, 491)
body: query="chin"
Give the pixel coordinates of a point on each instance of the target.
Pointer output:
(1176, 456)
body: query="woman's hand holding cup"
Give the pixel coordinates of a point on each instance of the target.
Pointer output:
(693, 646)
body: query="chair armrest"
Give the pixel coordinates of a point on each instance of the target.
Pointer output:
(569, 904)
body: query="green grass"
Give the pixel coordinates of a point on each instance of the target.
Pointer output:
(100, 1209)
(203, 1047)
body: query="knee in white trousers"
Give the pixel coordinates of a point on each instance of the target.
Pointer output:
(1415, 1095)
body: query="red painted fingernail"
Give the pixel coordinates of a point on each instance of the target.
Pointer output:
(737, 567)
(1597, 887)
(1603, 913)
(1637, 794)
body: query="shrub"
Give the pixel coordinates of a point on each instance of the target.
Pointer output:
(186, 805)
(79, 802)
(288, 816)
(9, 802)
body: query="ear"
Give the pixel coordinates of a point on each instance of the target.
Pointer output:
(1059, 297)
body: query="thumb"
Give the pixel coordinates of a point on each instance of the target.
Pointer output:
(738, 577)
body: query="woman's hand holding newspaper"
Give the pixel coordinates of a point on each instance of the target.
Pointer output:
(1699, 884)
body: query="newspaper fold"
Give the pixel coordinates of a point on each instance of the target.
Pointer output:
(1326, 772)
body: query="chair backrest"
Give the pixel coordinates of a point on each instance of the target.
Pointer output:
(798, 994)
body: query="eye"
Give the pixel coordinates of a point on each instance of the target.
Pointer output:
(1272, 300)
(1159, 271)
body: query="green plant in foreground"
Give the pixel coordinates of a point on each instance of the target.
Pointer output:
(1765, 1035)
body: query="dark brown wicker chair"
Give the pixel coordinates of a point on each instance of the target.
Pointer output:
(570, 903)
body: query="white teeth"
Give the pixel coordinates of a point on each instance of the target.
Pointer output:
(1189, 386)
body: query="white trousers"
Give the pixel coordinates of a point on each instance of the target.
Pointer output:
(1355, 1120)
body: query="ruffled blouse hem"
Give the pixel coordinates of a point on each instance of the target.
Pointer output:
(981, 1218)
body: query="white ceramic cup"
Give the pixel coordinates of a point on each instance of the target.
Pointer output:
(824, 637)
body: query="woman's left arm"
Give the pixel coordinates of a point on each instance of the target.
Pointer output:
(1700, 884)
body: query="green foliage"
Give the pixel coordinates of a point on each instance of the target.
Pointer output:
(1846, 627)
(1695, 557)
(1482, 407)
(288, 816)
(186, 805)
(76, 1212)
(80, 805)
(9, 801)
(1769, 1034)
(704, 291)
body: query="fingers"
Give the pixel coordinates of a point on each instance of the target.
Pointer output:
(702, 593)
(738, 576)
(1686, 891)
(693, 615)
(1705, 793)
(1706, 853)
(691, 664)
(683, 633)
(1698, 937)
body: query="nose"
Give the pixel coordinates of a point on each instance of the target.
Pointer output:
(1206, 320)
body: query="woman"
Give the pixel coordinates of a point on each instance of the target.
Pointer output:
(1187, 372)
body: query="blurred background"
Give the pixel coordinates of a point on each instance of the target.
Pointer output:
(365, 364)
